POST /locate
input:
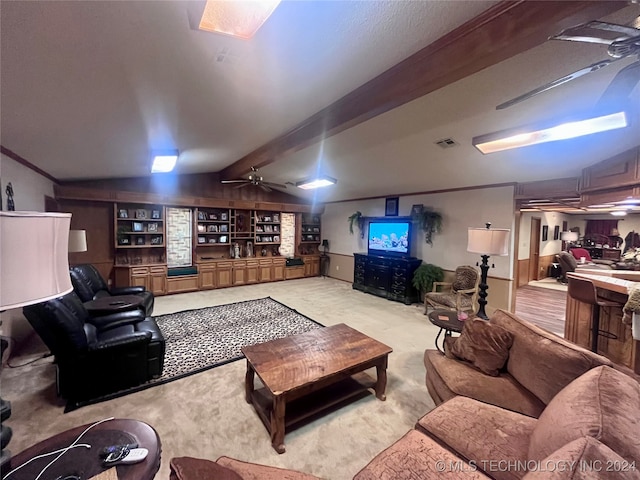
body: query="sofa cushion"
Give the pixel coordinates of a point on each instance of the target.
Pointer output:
(483, 345)
(189, 468)
(417, 457)
(446, 378)
(483, 433)
(584, 459)
(603, 403)
(541, 361)
(255, 471)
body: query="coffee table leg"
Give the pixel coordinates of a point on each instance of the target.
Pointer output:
(248, 382)
(381, 383)
(277, 423)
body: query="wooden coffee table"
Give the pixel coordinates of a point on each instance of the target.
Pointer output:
(86, 463)
(321, 361)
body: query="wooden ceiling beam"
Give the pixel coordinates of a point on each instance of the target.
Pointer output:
(505, 30)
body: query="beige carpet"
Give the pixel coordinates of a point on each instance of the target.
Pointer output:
(550, 283)
(205, 415)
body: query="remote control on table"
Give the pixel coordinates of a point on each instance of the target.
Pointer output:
(135, 455)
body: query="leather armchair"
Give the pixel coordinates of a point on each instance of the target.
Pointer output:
(89, 285)
(94, 360)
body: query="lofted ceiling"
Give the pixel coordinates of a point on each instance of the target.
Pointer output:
(88, 89)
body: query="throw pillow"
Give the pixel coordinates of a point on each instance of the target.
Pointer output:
(189, 468)
(484, 345)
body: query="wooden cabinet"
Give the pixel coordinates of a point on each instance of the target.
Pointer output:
(207, 276)
(239, 272)
(151, 277)
(278, 268)
(615, 172)
(252, 271)
(386, 277)
(139, 226)
(310, 228)
(265, 270)
(223, 274)
(294, 272)
(311, 265)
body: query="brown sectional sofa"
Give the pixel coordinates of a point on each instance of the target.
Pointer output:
(585, 424)
(539, 365)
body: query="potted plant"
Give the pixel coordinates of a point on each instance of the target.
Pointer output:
(431, 222)
(424, 277)
(356, 219)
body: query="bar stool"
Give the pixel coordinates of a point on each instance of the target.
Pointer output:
(584, 291)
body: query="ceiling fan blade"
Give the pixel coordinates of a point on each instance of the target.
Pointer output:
(621, 86)
(275, 185)
(265, 188)
(235, 181)
(591, 68)
(242, 185)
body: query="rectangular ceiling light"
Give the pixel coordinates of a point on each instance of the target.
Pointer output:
(317, 182)
(164, 162)
(496, 142)
(236, 18)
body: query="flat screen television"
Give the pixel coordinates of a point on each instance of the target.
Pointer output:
(389, 237)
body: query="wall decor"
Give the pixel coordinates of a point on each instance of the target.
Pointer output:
(416, 210)
(556, 232)
(545, 233)
(141, 213)
(391, 207)
(152, 227)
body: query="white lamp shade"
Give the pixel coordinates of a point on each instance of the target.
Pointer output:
(488, 241)
(569, 236)
(77, 241)
(34, 264)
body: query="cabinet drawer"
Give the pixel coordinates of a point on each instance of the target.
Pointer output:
(158, 269)
(139, 270)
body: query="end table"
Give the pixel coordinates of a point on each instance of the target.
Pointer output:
(448, 321)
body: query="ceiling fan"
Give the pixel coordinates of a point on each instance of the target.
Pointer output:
(256, 180)
(623, 42)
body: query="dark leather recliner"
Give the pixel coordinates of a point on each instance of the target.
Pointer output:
(89, 285)
(93, 359)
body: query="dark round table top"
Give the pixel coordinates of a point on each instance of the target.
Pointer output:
(86, 462)
(112, 304)
(447, 319)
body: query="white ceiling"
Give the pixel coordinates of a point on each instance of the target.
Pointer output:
(89, 88)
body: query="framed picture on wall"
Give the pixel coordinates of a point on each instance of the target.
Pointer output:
(556, 232)
(391, 207)
(545, 233)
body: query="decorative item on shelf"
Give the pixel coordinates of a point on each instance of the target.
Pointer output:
(212, 229)
(424, 276)
(139, 240)
(11, 206)
(487, 241)
(249, 249)
(201, 228)
(430, 222)
(263, 252)
(123, 213)
(236, 250)
(201, 240)
(213, 216)
(202, 215)
(276, 217)
(358, 220)
(391, 207)
(223, 228)
(152, 227)
(223, 239)
(141, 213)
(124, 241)
(223, 216)
(212, 240)
(156, 240)
(137, 227)
(275, 251)
(155, 214)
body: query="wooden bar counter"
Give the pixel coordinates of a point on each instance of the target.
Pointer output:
(612, 285)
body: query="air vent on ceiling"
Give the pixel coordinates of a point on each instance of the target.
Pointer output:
(447, 143)
(224, 55)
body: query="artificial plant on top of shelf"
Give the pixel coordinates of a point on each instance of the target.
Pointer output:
(430, 222)
(356, 219)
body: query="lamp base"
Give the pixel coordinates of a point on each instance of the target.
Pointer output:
(482, 300)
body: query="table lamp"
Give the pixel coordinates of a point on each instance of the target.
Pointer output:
(77, 241)
(569, 237)
(487, 241)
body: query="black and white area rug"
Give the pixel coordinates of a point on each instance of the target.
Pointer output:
(197, 340)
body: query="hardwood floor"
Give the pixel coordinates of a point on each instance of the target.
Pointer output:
(543, 307)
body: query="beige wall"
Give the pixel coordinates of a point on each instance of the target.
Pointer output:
(29, 190)
(460, 210)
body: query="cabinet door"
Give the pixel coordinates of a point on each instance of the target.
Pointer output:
(223, 274)
(239, 275)
(265, 270)
(158, 283)
(140, 281)
(278, 269)
(315, 267)
(307, 267)
(252, 273)
(207, 277)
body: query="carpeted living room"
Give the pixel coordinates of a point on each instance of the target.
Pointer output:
(205, 415)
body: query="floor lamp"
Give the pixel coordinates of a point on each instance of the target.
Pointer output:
(487, 241)
(34, 267)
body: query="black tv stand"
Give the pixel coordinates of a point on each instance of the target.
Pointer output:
(387, 277)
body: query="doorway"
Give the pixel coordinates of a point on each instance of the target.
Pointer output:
(534, 249)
